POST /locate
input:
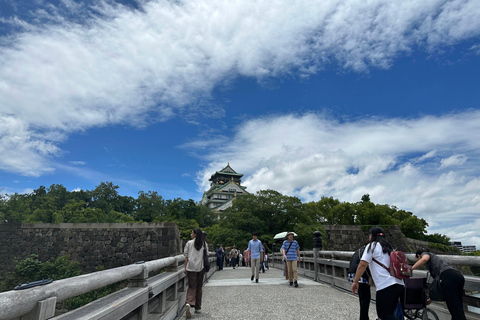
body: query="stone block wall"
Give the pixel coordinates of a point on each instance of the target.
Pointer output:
(351, 237)
(93, 245)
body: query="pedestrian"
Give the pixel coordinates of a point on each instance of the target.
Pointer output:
(388, 288)
(364, 294)
(255, 250)
(246, 256)
(234, 256)
(220, 253)
(291, 254)
(451, 281)
(240, 258)
(194, 269)
(227, 257)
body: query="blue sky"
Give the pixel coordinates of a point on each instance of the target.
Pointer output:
(330, 98)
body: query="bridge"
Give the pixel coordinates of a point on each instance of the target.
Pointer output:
(157, 290)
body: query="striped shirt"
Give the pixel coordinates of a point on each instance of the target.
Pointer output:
(292, 252)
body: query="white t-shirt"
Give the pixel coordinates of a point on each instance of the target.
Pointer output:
(381, 277)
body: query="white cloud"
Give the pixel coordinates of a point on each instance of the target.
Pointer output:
(311, 156)
(20, 152)
(455, 160)
(134, 67)
(78, 163)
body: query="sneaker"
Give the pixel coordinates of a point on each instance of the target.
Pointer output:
(256, 280)
(188, 311)
(291, 284)
(296, 284)
(198, 310)
(251, 278)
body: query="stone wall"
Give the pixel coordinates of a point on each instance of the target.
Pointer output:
(350, 237)
(94, 245)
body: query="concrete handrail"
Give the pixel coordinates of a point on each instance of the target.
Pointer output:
(16, 303)
(470, 261)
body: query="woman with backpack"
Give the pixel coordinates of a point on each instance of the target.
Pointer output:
(389, 289)
(451, 281)
(194, 269)
(364, 294)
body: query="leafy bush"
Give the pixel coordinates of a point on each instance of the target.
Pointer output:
(32, 269)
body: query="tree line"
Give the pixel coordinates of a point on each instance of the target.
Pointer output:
(268, 212)
(102, 205)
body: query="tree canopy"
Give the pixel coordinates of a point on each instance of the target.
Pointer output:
(268, 212)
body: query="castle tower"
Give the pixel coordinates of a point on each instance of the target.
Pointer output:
(225, 186)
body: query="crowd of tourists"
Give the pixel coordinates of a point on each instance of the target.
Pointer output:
(367, 267)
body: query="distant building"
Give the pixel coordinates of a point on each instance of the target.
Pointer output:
(469, 249)
(225, 186)
(462, 248)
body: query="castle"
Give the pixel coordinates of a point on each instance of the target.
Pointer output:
(225, 186)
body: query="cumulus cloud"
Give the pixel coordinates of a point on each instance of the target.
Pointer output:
(311, 156)
(70, 70)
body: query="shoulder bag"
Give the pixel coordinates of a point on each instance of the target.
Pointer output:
(206, 261)
(435, 289)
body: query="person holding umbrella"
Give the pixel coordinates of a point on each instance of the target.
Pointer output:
(291, 253)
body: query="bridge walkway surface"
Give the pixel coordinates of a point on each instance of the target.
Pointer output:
(229, 294)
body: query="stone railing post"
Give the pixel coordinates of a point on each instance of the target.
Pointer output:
(45, 309)
(141, 279)
(317, 245)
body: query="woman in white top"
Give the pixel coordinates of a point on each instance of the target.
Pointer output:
(389, 289)
(195, 272)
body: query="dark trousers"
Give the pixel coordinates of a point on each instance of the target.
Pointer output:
(234, 262)
(387, 300)
(194, 291)
(452, 283)
(220, 263)
(364, 297)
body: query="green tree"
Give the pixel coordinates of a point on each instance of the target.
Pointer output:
(45, 211)
(438, 238)
(17, 208)
(322, 210)
(150, 206)
(268, 212)
(105, 197)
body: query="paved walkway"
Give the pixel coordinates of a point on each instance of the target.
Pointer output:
(229, 294)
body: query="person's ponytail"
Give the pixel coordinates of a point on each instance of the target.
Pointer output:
(198, 238)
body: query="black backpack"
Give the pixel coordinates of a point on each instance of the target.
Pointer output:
(355, 261)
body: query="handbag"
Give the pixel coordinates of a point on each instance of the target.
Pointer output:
(206, 261)
(435, 289)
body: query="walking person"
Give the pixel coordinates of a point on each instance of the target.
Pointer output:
(364, 294)
(220, 253)
(291, 254)
(246, 256)
(194, 269)
(255, 250)
(234, 256)
(388, 288)
(451, 281)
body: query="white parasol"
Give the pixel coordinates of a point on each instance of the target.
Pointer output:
(282, 235)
